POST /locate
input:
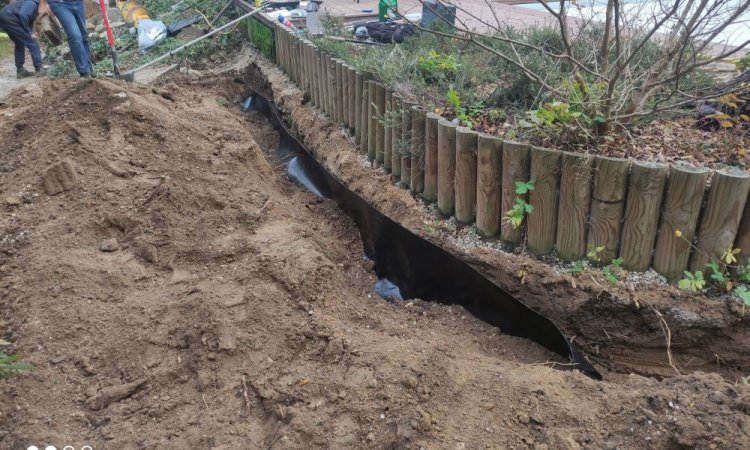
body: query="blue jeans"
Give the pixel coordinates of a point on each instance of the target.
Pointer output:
(22, 40)
(72, 17)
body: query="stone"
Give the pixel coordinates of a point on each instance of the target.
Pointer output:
(59, 177)
(13, 200)
(109, 245)
(33, 90)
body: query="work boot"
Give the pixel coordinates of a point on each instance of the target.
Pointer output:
(23, 73)
(40, 73)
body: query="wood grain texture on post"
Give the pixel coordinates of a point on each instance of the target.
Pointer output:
(388, 134)
(372, 125)
(466, 174)
(339, 91)
(417, 148)
(358, 79)
(515, 168)
(331, 88)
(489, 184)
(364, 123)
(721, 216)
(431, 156)
(645, 194)
(541, 225)
(352, 98)
(574, 205)
(322, 81)
(742, 241)
(607, 205)
(309, 76)
(682, 206)
(325, 84)
(396, 137)
(344, 95)
(406, 141)
(380, 130)
(446, 198)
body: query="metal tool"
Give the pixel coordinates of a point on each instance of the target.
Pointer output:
(110, 38)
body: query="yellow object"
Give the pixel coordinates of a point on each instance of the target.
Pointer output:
(257, 3)
(3, 36)
(132, 12)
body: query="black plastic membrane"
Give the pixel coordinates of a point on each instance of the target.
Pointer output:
(409, 266)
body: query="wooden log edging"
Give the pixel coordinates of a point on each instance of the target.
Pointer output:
(649, 214)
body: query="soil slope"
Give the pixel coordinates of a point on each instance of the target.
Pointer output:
(180, 293)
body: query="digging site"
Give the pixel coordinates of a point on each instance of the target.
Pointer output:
(173, 289)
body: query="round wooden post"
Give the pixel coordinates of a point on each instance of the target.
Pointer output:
(331, 88)
(742, 241)
(339, 91)
(431, 156)
(344, 95)
(607, 205)
(544, 172)
(682, 207)
(364, 116)
(372, 125)
(721, 216)
(515, 168)
(417, 148)
(388, 132)
(396, 147)
(446, 197)
(574, 205)
(645, 193)
(466, 174)
(380, 129)
(406, 141)
(352, 98)
(358, 79)
(489, 179)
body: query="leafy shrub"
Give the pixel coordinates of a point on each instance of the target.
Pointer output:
(437, 66)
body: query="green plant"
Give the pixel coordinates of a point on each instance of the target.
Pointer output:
(578, 266)
(520, 207)
(454, 101)
(613, 271)
(8, 365)
(692, 281)
(743, 293)
(743, 63)
(437, 66)
(719, 274)
(595, 253)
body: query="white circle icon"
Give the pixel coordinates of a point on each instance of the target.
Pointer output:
(32, 447)
(50, 447)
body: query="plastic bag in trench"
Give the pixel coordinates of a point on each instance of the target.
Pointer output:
(150, 33)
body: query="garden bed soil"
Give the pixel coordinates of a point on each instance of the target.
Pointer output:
(183, 294)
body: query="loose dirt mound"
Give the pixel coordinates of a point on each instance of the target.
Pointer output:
(178, 293)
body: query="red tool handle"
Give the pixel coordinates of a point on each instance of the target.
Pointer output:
(110, 36)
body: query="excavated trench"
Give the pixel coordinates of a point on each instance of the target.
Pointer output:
(409, 266)
(618, 327)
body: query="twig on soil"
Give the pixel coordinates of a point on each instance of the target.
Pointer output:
(204, 401)
(248, 403)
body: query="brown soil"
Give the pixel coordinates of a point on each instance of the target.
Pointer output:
(231, 309)
(619, 326)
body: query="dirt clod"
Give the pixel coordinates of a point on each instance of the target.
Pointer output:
(59, 177)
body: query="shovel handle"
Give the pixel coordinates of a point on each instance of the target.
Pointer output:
(110, 36)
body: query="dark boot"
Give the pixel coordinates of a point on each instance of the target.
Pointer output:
(23, 73)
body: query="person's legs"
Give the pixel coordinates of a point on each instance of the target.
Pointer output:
(67, 13)
(10, 25)
(80, 14)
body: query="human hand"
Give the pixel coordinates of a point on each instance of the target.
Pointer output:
(44, 9)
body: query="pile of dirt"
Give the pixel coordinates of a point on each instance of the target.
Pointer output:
(175, 291)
